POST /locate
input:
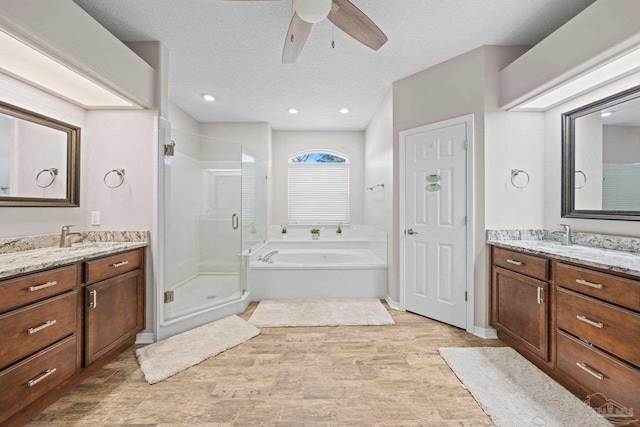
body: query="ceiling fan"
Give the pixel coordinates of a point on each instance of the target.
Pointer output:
(342, 13)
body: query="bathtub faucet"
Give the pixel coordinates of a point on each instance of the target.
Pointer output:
(267, 257)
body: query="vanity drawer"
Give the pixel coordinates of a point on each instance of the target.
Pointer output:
(32, 328)
(617, 290)
(113, 265)
(597, 372)
(526, 264)
(27, 381)
(611, 328)
(34, 287)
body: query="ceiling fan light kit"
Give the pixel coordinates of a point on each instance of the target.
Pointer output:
(342, 13)
(312, 11)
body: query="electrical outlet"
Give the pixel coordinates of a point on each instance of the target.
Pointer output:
(95, 217)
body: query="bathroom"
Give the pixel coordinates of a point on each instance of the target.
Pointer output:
(466, 84)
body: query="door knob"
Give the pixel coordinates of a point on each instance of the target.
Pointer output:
(410, 232)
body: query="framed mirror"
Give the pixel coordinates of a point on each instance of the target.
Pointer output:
(39, 160)
(601, 159)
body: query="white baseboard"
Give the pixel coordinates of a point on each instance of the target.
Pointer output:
(144, 338)
(392, 303)
(486, 333)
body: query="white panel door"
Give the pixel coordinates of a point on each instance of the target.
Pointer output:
(435, 236)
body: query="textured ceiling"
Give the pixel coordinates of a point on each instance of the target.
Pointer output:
(232, 49)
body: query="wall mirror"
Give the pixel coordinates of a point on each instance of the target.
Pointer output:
(601, 159)
(39, 160)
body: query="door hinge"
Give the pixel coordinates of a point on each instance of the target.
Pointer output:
(169, 296)
(466, 144)
(465, 295)
(466, 218)
(169, 149)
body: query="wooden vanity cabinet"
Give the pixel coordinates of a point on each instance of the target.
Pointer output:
(113, 313)
(56, 329)
(594, 328)
(520, 302)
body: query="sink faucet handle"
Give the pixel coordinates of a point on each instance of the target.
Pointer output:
(67, 227)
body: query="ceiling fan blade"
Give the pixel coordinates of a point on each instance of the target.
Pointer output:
(296, 38)
(354, 22)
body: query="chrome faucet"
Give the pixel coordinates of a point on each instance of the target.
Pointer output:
(566, 234)
(267, 257)
(65, 241)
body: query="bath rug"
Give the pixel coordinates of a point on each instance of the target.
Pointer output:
(514, 392)
(166, 358)
(320, 312)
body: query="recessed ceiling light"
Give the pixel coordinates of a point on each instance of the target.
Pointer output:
(293, 110)
(344, 111)
(606, 113)
(207, 97)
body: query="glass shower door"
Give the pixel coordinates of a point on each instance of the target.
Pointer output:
(203, 225)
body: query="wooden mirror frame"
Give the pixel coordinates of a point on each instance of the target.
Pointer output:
(568, 159)
(72, 198)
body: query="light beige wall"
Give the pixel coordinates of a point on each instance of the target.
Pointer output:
(254, 136)
(378, 169)
(286, 143)
(512, 141)
(553, 165)
(182, 121)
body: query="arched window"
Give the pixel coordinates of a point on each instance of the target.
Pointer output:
(318, 187)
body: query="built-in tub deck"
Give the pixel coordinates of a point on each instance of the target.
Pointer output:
(318, 269)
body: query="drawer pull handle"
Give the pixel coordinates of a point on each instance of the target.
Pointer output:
(46, 373)
(590, 371)
(591, 322)
(41, 327)
(94, 299)
(591, 285)
(540, 300)
(44, 285)
(514, 262)
(120, 264)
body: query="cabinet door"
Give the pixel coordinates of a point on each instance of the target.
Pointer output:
(520, 309)
(113, 313)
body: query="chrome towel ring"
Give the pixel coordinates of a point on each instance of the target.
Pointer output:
(584, 175)
(119, 172)
(53, 172)
(515, 173)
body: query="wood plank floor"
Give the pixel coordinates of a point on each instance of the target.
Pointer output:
(322, 376)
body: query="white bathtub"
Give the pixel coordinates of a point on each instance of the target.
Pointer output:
(337, 269)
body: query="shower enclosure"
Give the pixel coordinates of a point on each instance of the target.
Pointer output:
(214, 211)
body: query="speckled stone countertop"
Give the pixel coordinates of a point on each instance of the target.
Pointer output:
(33, 257)
(539, 242)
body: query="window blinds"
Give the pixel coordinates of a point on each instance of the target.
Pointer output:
(318, 193)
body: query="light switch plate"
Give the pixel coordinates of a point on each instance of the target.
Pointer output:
(95, 217)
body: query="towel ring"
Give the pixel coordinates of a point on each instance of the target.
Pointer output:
(53, 172)
(585, 179)
(119, 172)
(516, 172)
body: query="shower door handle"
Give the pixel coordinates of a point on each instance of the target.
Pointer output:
(234, 221)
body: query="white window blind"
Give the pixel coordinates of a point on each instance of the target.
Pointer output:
(318, 193)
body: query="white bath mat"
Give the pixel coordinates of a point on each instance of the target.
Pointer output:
(164, 359)
(320, 312)
(514, 392)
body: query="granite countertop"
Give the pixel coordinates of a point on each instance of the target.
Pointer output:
(606, 259)
(39, 258)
